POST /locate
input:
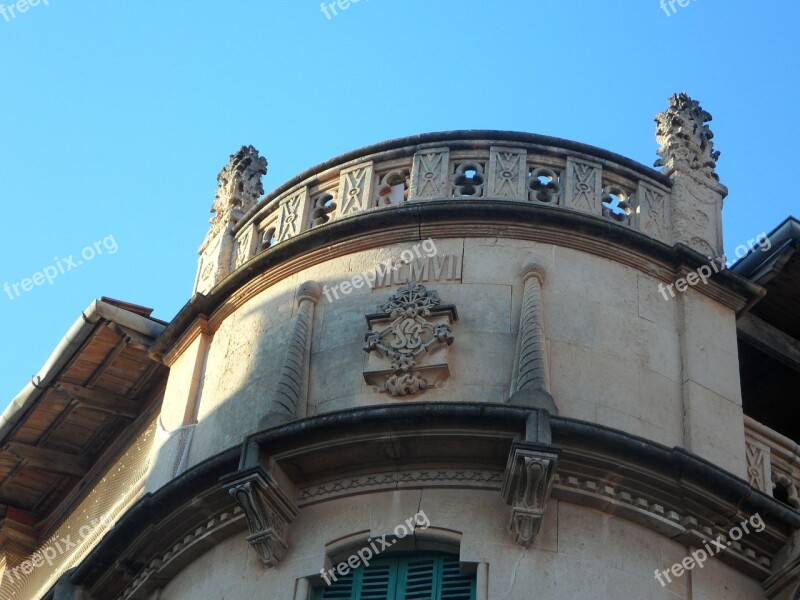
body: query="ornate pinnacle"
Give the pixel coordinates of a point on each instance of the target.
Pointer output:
(239, 189)
(685, 138)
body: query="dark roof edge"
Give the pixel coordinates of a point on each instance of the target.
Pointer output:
(787, 233)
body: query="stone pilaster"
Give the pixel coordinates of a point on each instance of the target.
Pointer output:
(291, 395)
(529, 386)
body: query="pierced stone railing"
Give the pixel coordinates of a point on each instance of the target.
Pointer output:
(773, 462)
(516, 168)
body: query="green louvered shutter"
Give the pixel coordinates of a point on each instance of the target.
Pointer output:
(454, 585)
(341, 589)
(377, 581)
(433, 577)
(416, 577)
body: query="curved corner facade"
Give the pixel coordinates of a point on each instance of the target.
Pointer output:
(472, 365)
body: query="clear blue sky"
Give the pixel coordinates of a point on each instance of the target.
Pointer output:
(116, 117)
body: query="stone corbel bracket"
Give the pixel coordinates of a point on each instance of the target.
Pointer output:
(527, 484)
(269, 511)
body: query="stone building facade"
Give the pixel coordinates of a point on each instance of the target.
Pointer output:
(464, 365)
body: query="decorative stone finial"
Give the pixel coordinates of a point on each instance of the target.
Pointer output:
(685, 139)
(239, 189)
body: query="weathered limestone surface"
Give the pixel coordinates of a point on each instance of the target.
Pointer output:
(614, 347)
(569, 558)
(713, 417)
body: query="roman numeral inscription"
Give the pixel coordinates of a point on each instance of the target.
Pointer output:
(444, 267)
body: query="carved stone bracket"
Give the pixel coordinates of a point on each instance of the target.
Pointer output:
(408, 342)
(269, 511)
(527, 484)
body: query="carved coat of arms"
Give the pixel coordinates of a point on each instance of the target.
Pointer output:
(408, 342)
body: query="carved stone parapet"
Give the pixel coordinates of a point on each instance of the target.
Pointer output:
(430, 174)
(759, 467)
(527, 484)
(507, 172)
(268, 509)
(293, 213)
(355, 189)
(584, 185)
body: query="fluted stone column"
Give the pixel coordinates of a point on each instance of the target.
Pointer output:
(529, 386)
(291, 395)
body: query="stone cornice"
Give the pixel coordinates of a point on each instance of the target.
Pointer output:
(664, 489)
(455, 218)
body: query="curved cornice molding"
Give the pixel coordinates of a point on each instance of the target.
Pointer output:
(665, 489)
(452, 219)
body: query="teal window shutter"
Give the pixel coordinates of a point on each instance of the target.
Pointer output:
(377, 582)
(341, 589)
(403, 577)
(454, 585)
(418, 578)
